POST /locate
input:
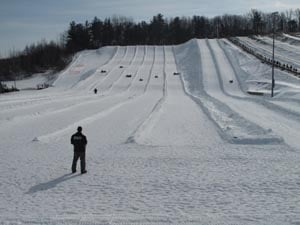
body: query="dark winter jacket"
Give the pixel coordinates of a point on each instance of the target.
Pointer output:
(79, 141)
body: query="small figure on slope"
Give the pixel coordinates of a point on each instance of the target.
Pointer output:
(95, 90)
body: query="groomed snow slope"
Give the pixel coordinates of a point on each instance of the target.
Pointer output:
(285, 53)
(191, 148)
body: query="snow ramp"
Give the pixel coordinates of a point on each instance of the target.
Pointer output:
(84, 65)
(204, 85)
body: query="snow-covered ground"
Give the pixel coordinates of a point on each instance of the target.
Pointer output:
(193, 148)
(31, 83)
(285, 52)
(294, 37)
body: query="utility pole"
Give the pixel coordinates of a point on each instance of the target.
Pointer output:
(218, 28)
(274, 14)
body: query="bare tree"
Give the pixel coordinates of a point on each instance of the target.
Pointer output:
(297, 15)
(289, 14)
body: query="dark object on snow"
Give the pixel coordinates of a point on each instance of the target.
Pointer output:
(231, 81)
(95, 90)
(4, 88)
(176, 73)
(41, 86)
(103, 71)
(121, 67)
(128, 75)
(79, 141)
(35, 139)
(255, 93)
(141, 79)
(156, 76)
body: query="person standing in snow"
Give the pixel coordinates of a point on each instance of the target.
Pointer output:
(79, 141)
(95, 90)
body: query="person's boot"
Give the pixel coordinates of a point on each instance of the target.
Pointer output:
(84, 171)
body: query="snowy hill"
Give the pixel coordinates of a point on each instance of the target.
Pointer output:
(173, 138)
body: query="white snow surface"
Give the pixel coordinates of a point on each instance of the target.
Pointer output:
(292, 37)
(31, 83)
(191, 148)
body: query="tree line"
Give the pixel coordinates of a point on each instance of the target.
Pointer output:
(158, 31)
(35, 58)
(123, 31)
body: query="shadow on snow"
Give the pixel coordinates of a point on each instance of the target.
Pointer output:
(51, 184)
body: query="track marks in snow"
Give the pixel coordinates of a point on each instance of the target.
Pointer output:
(288, 106)
(281, 46)
(153, 88)
(253, 112)
(144, 72)
(233, 127)
(266, 50)
(84, 65)
(228, 80)
(70, 103)
(216, 66)
(111, 68)
(118, 101)
(105, 86)
(70, 128)
(175, 120)
(98, 76)
(184, 179)
(53, 95)
(47, 109)
(33, 98)
(123, 82)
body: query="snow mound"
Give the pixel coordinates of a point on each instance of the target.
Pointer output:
(84, 65)
(233, 127)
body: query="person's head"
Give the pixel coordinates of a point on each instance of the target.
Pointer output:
(79, 129)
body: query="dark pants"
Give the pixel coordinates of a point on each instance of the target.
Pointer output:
(78, 155)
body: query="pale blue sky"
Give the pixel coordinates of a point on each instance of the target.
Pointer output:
(26, 21)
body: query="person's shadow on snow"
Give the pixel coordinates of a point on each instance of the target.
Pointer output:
(50, 184)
